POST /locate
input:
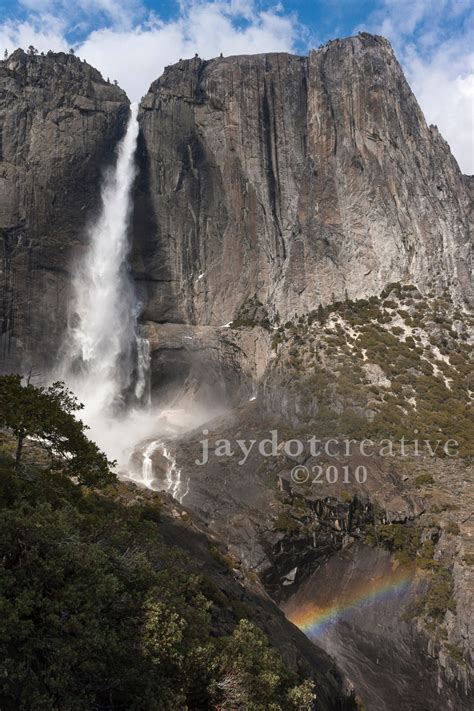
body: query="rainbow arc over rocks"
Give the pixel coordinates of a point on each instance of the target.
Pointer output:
(315, 618)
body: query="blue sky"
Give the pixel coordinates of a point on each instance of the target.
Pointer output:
(132, 40)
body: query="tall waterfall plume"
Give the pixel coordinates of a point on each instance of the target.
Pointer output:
(103, 343)
(106, 355)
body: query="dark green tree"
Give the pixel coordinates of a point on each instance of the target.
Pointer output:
(47, 414)
(99, 612)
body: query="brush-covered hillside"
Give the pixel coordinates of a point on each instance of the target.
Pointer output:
(393, 371)
(398, 365)
(112, 598)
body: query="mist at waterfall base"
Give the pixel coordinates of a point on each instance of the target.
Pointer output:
(105, 360)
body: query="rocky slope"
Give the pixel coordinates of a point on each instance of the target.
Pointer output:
(378, 370)
(59, 124)
(391, 665)
(315, 543)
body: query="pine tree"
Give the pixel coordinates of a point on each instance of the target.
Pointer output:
(48, 415)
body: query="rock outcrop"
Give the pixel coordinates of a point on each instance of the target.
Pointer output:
(59, 124)
(296, 179)
(307, 543)
(375, 646)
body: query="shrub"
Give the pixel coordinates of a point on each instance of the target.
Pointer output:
(285, 523)
(455, 653)
(424, 480)
(452, 528)
(253, 677)
(439, 598)
(398, 538)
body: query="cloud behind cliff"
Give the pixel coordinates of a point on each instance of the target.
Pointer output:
(132, 42)
(433, 41)
(205, 28)
(134, 47)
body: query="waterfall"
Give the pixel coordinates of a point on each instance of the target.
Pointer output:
(147, 466)
(102, 341)
(106, 358)
(172, 482)
(142, 385)
(173, 477)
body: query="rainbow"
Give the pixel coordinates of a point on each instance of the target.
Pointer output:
(314, 619)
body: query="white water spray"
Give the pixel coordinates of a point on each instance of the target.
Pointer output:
(106, 359)
(171, 481)
(142, 386)
(173, 478)
(102, 329)
(147, 467)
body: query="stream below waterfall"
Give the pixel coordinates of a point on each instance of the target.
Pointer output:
(169, 480)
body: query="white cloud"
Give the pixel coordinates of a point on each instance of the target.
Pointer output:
(48, 33)
(116, 13)
(136, 55)
(446, 95)
(134, 47)
(433, 40)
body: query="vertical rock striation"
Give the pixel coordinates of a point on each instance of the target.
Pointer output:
(59, 124)
(296, 179)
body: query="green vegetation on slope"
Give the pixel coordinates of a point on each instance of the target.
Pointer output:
(99, 612)
(386, 367)
(47, 414)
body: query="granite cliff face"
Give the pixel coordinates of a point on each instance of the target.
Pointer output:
(296, 179)
(267, 186)
(59, 124)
